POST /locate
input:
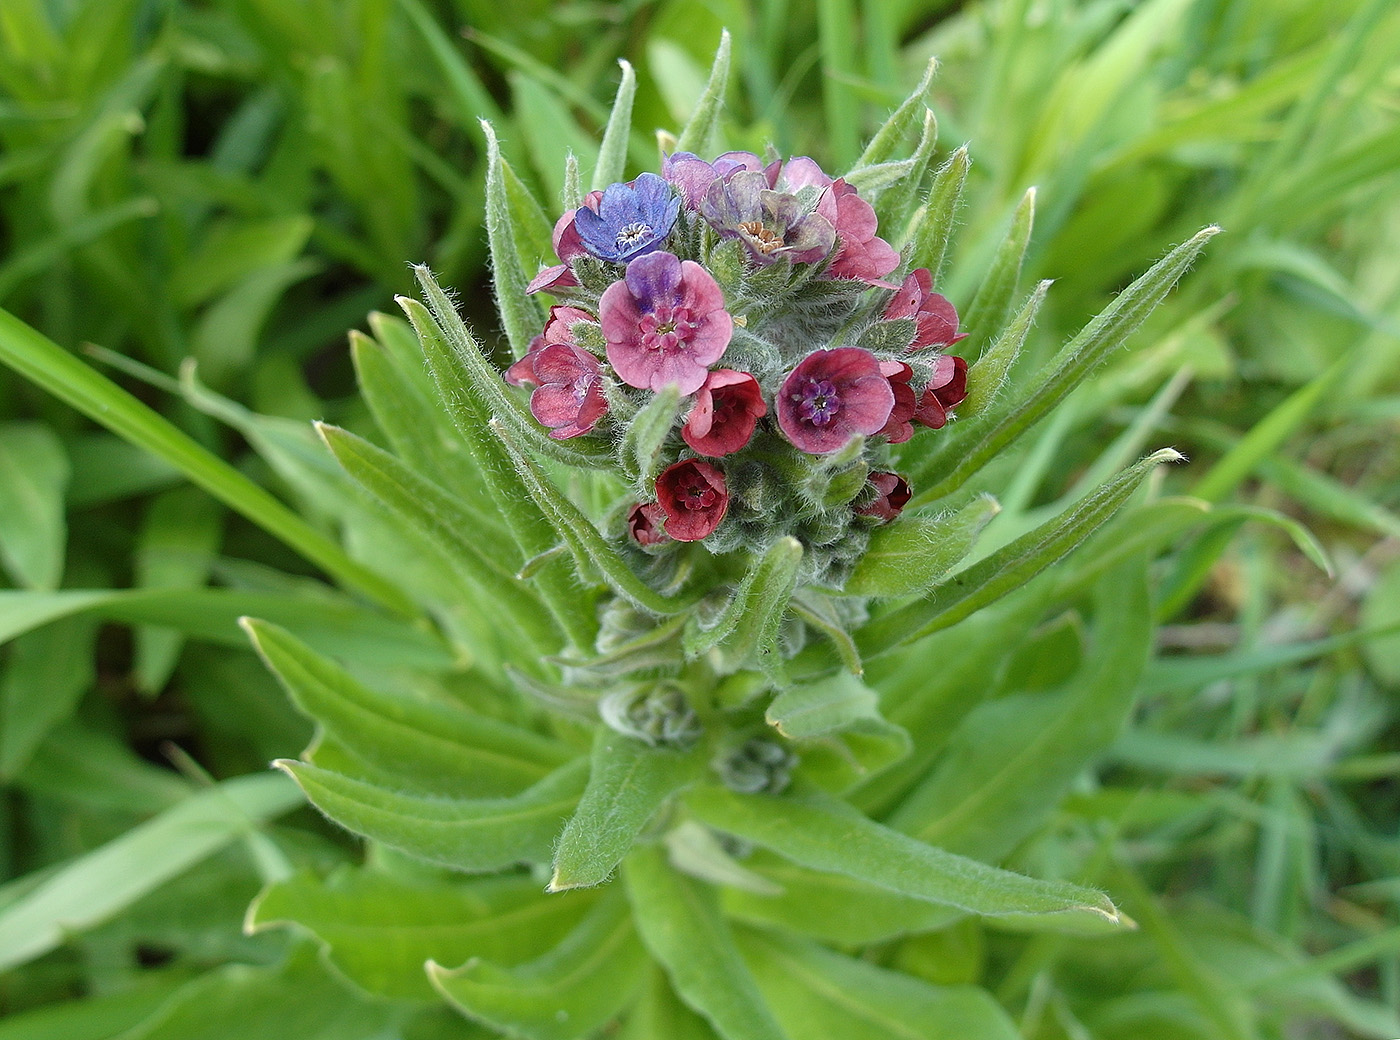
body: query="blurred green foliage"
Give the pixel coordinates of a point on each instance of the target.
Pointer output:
(238, 181)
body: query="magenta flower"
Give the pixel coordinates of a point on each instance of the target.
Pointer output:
(644, 524)
(936, 319)
(727, 409)
(860, 253)
(892, 494)
(946, 390)
(567, 246)
(771, 224)
(692, 175)
(831, 396)
(568, 396)
(629, 220)
(694, 498)
(665, 323)
(898, 427)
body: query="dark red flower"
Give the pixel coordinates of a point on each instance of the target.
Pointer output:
(644, 524)
(897, 427)
(726, 412)
(935, 319)
(831, 396)
(694, 497)
(892, 495)
(945, 391)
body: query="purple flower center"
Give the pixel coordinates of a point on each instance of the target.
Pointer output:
(667, 329)
(817, 401)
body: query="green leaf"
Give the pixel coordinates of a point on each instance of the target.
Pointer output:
(897, 203)
(842, 737)
(830, 907)
(448, 528)
(100, 884)
(380, 930)
(699, 132)
(680, 922)
(1070, 366)
(91, 1018)
(1012, 566)
(33, 477)
(991, 307)
(822, 833)
(48, 365)
(179, 539)
(988, 374)
(815, 709)
(447, 749)
(929, 246)
(468, 834)
(749, 623)
(648, 432)
(612, 155)
(915, 553)
(902, 124)
(45, 675)
(628, 783)
(590, 550)
(520, 313)
(818, 994)
(570, 992)
(1013, 758)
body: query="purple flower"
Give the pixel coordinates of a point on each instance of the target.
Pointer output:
(693, 176)
(568, 381)
(694, 497)
(630, 219)
(727, 410)
(665, 323)
(892, 494)
(935, 318)
(773, 225)
(831, 396)
(946, 390)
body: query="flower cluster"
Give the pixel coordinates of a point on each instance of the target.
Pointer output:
(760, 293)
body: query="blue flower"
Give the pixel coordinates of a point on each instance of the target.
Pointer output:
(631, 219)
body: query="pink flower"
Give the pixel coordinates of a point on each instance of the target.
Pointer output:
(892, 494)
(860, 253)
(568, 244)
(945, 390)
(664, 323)
(727, 409)
(568, 382)
(694, 498)
(936, 319)
(831, 396)
(644, 524)
(897, 427)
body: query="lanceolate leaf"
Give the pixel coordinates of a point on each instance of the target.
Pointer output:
(939, 216)
(568, 993)
(446, 749)
(902, 124)
(913, 555)
(989, 372)
(472, 835)
(698, 132)
(1010, 567)
(899, 201)
(380, 930)
(629, 781)
(823, 833)
(749, 623)
(520, 314)
(33, 476)
(680, 921)
(1072, 364)
(992, 305)
(814, 709)
(612, 155)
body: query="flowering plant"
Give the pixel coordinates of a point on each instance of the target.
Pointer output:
(707, 563)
